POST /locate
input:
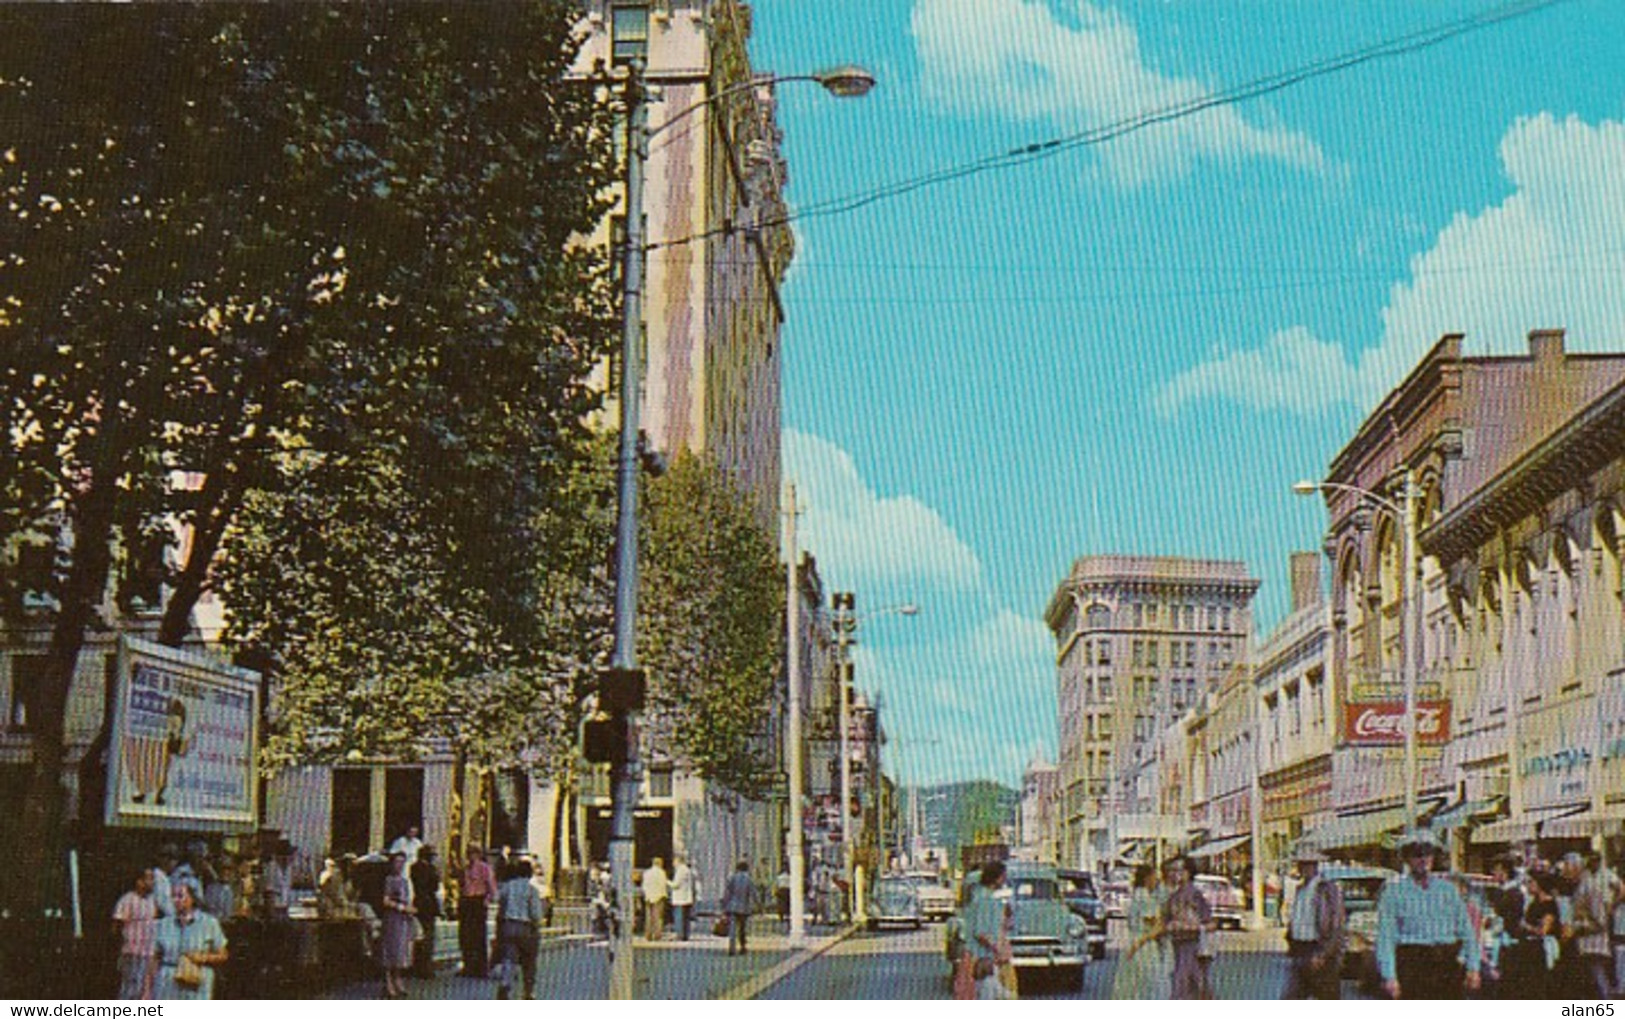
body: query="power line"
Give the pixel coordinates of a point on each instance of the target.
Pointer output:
(1396, 46)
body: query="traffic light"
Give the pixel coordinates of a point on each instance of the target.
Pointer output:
(621, 691)
(604, 739)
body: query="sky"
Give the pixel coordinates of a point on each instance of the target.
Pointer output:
(1136, 347)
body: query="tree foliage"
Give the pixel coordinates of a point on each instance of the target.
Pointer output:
(293, 257)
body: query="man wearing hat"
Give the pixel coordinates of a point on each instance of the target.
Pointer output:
(1423, 930)
(1315, 929)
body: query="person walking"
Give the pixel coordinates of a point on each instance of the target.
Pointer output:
(986, 939)
(477, 889)
(425, 878)
(1423, 930)
(1589, 929)
(682, 895)
(519, 921)
(656, 887)
(410, 842)
(400, 927)
(135, 918)
(1143, 968)
(738, 903)
(1316, 928)
(1186, 917)
(190, 945)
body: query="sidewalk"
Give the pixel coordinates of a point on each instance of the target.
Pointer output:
(573, 967)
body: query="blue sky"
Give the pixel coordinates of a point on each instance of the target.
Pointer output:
(1137, 347)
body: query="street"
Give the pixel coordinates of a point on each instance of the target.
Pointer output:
(909, 965)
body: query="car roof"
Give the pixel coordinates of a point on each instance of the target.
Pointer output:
(1354, 871)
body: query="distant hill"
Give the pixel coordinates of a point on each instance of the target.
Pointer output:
(962, 813)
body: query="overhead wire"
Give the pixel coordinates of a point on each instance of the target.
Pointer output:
(1396, 46)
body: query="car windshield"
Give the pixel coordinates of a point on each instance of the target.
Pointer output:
(1360, 894)
(1034, 888)
(894, 887)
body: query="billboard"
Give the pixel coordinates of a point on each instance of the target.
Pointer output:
(1381, 723)
(185, 745)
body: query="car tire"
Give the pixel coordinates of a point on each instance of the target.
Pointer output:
(1074, 979)
(1097, 951)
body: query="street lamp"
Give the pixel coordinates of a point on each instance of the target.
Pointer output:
(842, 81)
(845, 625)
(1405, 513)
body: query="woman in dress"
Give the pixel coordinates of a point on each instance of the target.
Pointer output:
(400, 928)
(190, 946)
(1143, 969)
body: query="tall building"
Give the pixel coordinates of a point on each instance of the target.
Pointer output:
(1139, 640)
(1037, 830)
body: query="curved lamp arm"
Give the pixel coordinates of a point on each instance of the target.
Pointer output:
(845, 82)
(1312, 487)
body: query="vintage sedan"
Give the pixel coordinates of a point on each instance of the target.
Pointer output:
(896, 902)
(1361, 887)
(1078, 888)
(936, 895)
(1046, 936)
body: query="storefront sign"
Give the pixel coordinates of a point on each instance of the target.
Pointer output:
(1382, 723)
(1363, 776)
(1302, 795)
(184, 752)
(1558, 763)
(1611, 737)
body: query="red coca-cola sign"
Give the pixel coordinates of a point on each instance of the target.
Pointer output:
(1381, 723)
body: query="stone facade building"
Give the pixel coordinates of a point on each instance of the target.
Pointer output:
(1139, 640)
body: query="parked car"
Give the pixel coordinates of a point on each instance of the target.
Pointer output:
(1361, 887)
(936, 895)
(1047, 936)
(1078, 889)
(1229, 905)
(896, 900)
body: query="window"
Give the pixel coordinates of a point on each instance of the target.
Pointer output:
(1105, 689)
(1151, 614)
(660, 782)
(35, 562)
(1151, 653)
(1139, 615)
(1190, 617)
(142, 577)
(1104, 651)
(27, 673)
(1137, 653)
(629, 32)
(1105, 729)
(1212, 618)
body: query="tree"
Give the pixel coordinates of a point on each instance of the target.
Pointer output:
(311, 228)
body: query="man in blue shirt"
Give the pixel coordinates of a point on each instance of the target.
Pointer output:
(1423, 930)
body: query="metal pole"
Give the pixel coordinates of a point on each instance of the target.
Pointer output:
(798, 862)
(624, 790)
(1256, 808)
(844, 687)
(1413, 643)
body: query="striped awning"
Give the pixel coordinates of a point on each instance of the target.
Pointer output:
(1357, 829)
(1525, 829)
(1218, 846)
(1610, 821)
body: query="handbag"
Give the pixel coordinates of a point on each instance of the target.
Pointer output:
(188, 973)
(720, 928)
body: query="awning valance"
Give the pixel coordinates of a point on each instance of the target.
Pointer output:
(1525, 829)
(1610, 821)
(1357, 829)
(1218, 846)
(1463, 811)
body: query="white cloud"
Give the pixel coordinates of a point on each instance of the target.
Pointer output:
(1550, 255)
(1292, 370)
(866, 540)
(1014, 58)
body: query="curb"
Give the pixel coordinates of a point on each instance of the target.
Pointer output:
(755, 985)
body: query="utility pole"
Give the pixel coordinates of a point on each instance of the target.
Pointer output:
(844, 621)
(798, 858)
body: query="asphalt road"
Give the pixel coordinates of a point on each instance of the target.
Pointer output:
(908, 965)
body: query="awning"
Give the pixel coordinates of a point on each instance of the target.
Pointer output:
(1463, 811)
(1609, 821)
(1357, 829)
(1524, 829)
(1218, 846)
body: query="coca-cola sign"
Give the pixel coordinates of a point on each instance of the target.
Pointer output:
(1381, 723)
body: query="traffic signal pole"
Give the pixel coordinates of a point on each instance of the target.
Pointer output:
(628, 770)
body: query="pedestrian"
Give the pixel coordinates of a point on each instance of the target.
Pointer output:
(1423, 931)
(1143, 968)
(519, 921)
(190, 945)
(477, 889)
(738, 903)
(425, 878)
(1588, 930)
(164, 864)
(986, 935)
(409, 843)
(682, 894)
(1527, 960)
(400, 928)
(1186, 918)
(1316, 929)
(220, 888)
(656, 887)
(781, 895)
(135, 919)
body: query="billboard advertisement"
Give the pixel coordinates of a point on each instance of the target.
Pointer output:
(185, 746)
(1381, 723)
